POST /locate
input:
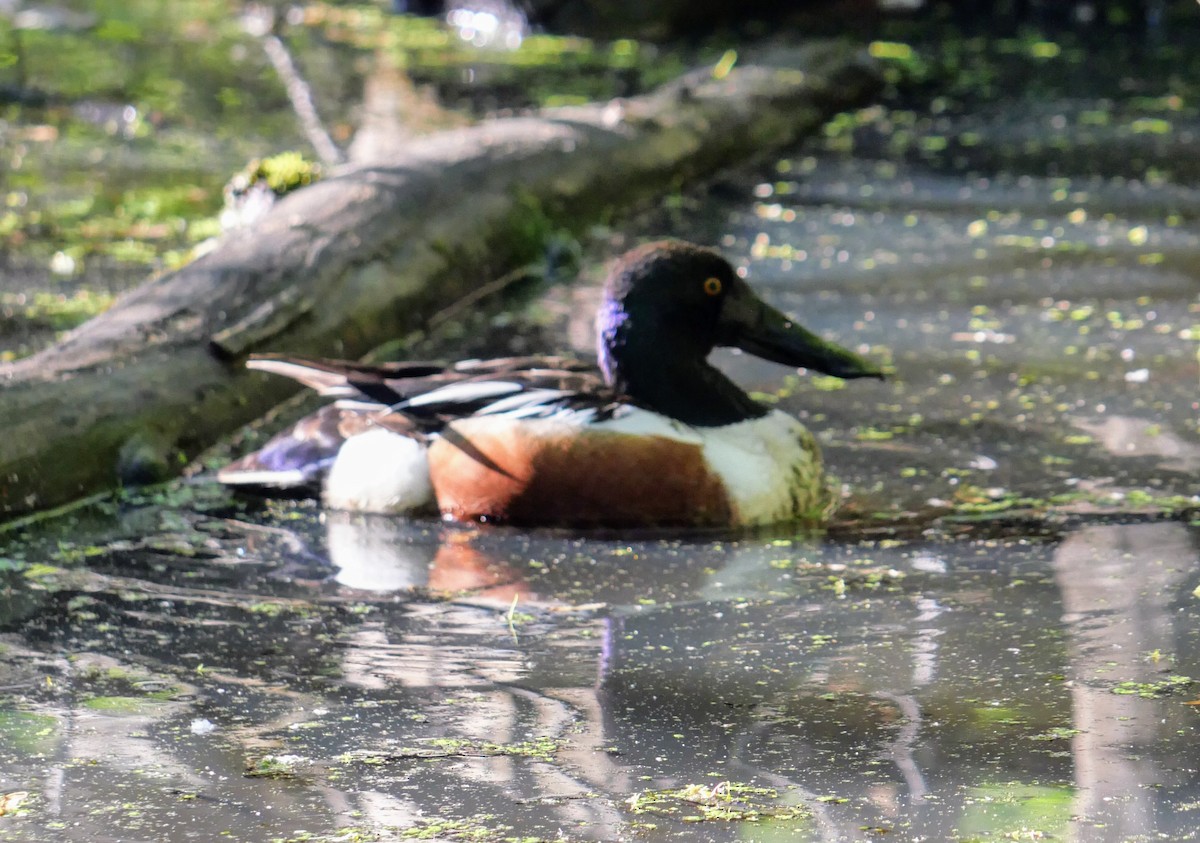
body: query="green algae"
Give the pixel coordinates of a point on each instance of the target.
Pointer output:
(280, 767)
(28, 732)
(1169, 686)
(1058, 733)
(725, 801)
(122, 705)
(538, 749)
(1017, 811)
(480, 828)
(269, 608)
(346, 834)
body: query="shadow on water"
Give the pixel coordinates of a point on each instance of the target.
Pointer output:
(270, 674)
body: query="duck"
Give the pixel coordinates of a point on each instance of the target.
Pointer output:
(650, 435)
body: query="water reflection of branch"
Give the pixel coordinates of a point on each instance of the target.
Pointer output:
(906, 739)
(557, 716)
(821, 814)
(1117, 595)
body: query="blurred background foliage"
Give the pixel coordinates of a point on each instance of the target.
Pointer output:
(122, 121)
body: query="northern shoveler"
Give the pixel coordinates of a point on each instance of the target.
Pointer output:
(655, 436)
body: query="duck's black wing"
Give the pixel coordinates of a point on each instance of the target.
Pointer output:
(414, 399)
(431, 394)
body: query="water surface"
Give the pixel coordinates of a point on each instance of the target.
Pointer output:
(279, 672)
(996, 639)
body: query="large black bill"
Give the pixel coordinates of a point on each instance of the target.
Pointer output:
(749, 323)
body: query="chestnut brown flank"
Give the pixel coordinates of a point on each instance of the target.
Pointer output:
(503, 473)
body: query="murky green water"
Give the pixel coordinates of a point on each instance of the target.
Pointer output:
(274, 673)
(997, 641)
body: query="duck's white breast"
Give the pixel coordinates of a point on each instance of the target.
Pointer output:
(380, 471)
(770, 467)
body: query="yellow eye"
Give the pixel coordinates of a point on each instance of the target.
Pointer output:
(712, 286)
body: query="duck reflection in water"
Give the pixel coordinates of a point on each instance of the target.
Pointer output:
(382, 554)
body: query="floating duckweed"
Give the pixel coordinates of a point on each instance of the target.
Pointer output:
(269, 608)
(998, 715)
(539, 748)
(623, 48)
(118, 705)
(475, 828)
(28, 732)
(1152, 690)
(725, 801)
(1058, 733)
(826, 383)
(274, 767)
(130, 251)
(934, 143)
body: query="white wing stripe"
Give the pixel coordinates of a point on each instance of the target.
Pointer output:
(533, 399)
(461, 393)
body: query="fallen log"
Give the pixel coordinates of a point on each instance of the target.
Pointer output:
(369, 253)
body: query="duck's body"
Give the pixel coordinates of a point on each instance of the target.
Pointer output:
(638, 467)
(657, 437)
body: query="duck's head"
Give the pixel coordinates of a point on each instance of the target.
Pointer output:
(668, 304)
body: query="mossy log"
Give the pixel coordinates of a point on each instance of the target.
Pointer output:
(368, 254)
